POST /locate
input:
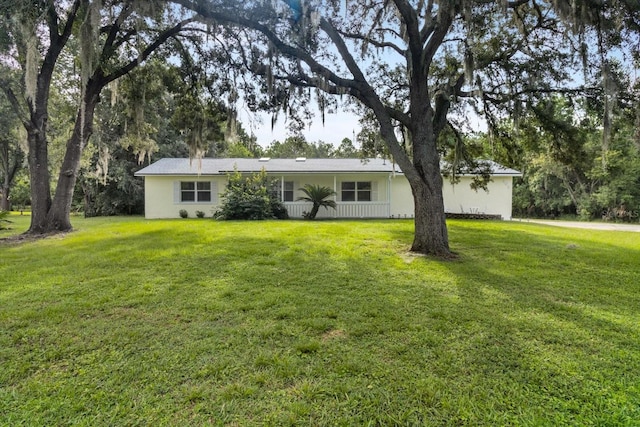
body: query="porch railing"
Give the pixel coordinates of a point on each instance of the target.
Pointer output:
(344, 210)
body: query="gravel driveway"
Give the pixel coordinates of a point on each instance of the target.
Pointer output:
(588, 225)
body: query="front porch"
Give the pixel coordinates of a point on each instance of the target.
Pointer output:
(343, 210)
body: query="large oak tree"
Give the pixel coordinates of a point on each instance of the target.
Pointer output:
(112, 37)
(421, 67)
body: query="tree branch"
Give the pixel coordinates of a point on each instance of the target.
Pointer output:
(373, 42)
(429, 22)
(410, 19)
(57, 40)
(15, 104)
(164, 36)
(493, 95)
(110, 43)
(286, 49)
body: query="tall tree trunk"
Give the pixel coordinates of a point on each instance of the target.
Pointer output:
(58, 218)
(5, 185)
(4, 200)
(423, 173)
(39, 180)
(431, 236)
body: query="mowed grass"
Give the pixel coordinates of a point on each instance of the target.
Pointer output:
(197, 322)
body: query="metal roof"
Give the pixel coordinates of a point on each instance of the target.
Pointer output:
(211, 166)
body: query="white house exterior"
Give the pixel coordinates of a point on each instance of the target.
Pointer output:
(372, 188)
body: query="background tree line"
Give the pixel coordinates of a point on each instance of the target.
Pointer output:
(559, 150)
(146, 116)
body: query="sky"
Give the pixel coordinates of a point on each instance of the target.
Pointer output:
(336, 127)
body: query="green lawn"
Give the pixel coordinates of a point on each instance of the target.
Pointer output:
(197, 322)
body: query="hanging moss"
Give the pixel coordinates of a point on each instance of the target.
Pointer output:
(469, 64)
(231, 131)
(31, 61)
(102, 164)
(114, 89)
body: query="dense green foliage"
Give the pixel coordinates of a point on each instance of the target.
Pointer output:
(143, 122)
(298, 146)
(568, 169)
(11, 154)
(191, 322)
(249, 197)
(317, 194)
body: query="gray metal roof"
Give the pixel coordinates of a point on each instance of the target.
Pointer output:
(210, 166)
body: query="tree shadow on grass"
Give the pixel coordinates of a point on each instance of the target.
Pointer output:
(342, 328)
(558, 314)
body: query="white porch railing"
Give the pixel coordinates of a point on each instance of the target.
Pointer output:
(344, 210)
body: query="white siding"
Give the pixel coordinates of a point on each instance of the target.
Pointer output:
(391, 196)
(162, 196)
(496, 200)
(401, 198)
(458, 198)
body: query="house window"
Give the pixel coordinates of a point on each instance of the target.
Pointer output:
(356, 191)
(198, 191)
(285, 193)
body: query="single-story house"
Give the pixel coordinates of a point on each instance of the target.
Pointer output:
(372, 188)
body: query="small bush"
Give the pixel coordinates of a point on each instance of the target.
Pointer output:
(200, 214)
(278, 209)
(183, 213)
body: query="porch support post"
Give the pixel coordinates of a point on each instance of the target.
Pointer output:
(335, 196)
(282, 188)
(389, 197)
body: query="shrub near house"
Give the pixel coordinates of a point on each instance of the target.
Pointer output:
(249, 197)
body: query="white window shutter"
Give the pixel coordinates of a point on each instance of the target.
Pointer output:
(176, 192)
(214, 192)
(374, 191)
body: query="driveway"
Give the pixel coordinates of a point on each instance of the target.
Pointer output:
(587, 225)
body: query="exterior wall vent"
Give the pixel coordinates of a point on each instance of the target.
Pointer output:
(301, 159)
(264, 159)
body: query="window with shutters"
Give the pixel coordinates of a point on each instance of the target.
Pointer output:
(195, 191)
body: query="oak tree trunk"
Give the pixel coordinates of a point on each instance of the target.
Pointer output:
(430, 236)
(5, 188)
(58, 218)
(38, 159)
(4, 199)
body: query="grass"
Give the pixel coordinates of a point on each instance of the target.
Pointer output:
(197, 322)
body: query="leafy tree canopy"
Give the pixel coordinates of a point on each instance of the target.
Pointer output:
(422, 68)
